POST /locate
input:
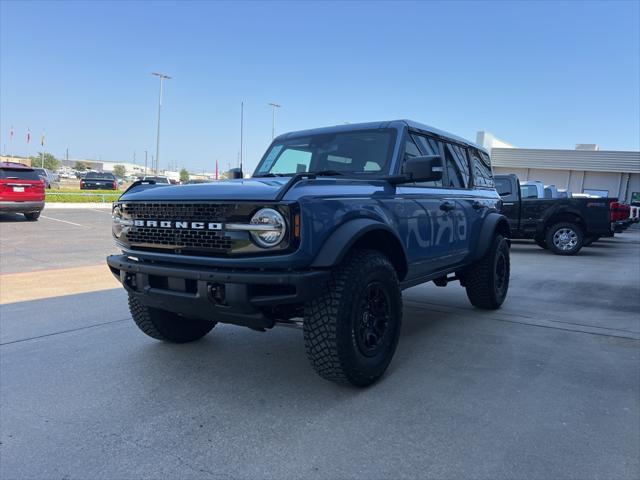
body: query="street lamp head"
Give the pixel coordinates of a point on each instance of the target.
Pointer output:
(275, 105)
(161, 75)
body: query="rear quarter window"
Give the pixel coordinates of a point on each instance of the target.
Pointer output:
(482, 174)
(18, 174)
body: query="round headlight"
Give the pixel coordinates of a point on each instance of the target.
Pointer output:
(119, 224)
(270, 227)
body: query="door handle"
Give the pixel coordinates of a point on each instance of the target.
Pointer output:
(447, 206)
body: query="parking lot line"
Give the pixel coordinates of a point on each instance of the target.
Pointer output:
(63, 221)
(22, 287)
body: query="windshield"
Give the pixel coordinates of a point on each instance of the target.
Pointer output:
(360, 152)
(19, 173)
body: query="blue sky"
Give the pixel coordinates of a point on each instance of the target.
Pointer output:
(540, 74)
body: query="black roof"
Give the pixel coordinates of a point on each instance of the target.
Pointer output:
(384, 124)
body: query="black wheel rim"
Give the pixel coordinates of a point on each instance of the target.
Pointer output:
(372, 320)
(502, 274)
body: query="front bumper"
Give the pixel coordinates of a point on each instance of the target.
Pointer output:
(21, 207)
(223, 295)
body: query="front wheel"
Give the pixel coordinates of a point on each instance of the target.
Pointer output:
(487, 281)
(167, 326)
(351, 329)
(565, 238)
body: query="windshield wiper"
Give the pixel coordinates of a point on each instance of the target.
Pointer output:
(264, 175)
(326, 173)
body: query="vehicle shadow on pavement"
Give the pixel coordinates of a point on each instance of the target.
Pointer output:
(12, 217)
(535, 250)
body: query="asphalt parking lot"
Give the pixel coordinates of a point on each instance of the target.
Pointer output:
(547, 387)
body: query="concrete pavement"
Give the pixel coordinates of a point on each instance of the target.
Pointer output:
(547, 387)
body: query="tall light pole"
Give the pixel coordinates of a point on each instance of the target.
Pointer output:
(162, 77)
(273, 119)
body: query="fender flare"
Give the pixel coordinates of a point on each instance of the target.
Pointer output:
(492, 223)
(346, 235)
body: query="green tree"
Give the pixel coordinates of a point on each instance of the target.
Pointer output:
(50, 162)
(80, 166)
(184, 175)
(119, 171)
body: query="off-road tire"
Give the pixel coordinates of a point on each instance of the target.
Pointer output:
(32, 216)
(487, 280)
(167, 326)
(336, 322)
(549, 238)
(541, 242)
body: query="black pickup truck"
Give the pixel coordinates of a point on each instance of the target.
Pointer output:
(562, 225)
(99, 181)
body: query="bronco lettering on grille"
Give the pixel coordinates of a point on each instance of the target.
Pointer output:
(178, 224)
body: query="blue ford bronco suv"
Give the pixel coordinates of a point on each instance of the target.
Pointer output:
(333, 225)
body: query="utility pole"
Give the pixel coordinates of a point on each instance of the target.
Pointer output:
(162, 77)
(273, 119)
(241, 133)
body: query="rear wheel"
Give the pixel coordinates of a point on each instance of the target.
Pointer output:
(487, 281)
(565, 238)
(167, 326)
(351, 329)
(32, 216)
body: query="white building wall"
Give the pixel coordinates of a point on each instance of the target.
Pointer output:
(577, 181)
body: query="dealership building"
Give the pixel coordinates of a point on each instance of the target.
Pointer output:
(586, 169)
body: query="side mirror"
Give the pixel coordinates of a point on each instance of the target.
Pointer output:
(423, 168)
(235, 173)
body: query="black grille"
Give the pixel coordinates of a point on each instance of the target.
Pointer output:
(179, 211)
(207, 242)
(214, 242)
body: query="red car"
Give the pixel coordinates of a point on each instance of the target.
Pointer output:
(21, 190)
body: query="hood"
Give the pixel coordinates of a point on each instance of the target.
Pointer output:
(264, 189)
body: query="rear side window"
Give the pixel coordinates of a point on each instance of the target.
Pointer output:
(457, 166)
(19, 174)
(482, 174)
(504, 188)
(529, 191)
